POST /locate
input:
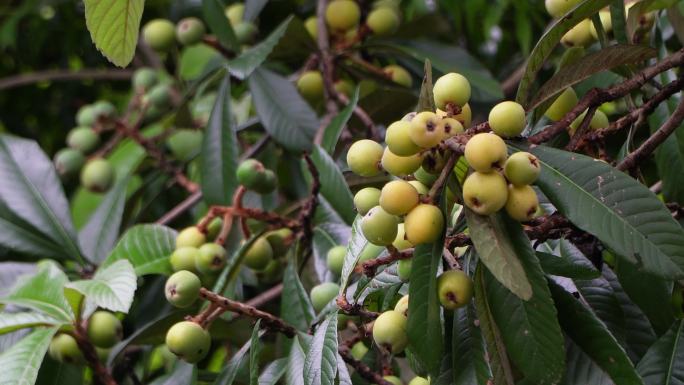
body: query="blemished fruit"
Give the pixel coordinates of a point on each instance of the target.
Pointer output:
(104, 329)
(86, 116)
(394, 380)
(184, 258)
(400, 165)
(64, 348)
(279, 240)
(452, 88)
(419, 381)
(420, 187)
(400, 242)
(425, 177)
(522, 168)
(364, 157)
(335, 259)
(565, 102)
(579, 35)
(235, 13)
(311, 25)
(190, 31)
(322, 294)
(398, 139)
(189, 341)
(259, 254)
(423, 224)
(245, 32)
(190, 237)
(425, 130)
(310, 85)
(159, 34)
(485, 193)
(399, 75)
(159, 96)
(144, 79)
(182, 288)
(485, 152)
(379, 227)
(342, 15)
(185, 144)
(454, 289)
(68, 162)
(450, 127)
(358, 350)
(366, 198)
(606, 22)
(558, 8)
(402, 305)
(398, 197)
(522, 203)
(211, 258)
(383, 21)
(389, 331)
(344, 87)
(404, 270)
(507, 119)
(97, 175)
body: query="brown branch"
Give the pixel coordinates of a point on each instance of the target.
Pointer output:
(443, 176)
(369, 267)
(354, 309)
(64, 75)
(654, 140)
(362, 369)
(582, 129)
(100, 372)
(182, 207)
(267, 296)
(509, 85)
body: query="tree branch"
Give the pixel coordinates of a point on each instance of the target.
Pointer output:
(65, 75)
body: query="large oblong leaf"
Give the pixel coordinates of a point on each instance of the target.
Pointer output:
(469, 365)
(112, 287)
(333, 185)
(248, 61)
(113, 26)
(216, 19)
(296, 308)
(147, 247)
(320, 364)
(10, 322)
(98, 236)
(22, 239)
(21, 362)
(334, 129)
(625, 215)
(663, 364)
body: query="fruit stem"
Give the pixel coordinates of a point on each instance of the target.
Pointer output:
(101, 373)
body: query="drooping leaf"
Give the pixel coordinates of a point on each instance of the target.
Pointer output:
(31, 189)
(320, 364)
(26, 240)
(296, 308)
(580, 369)
(114, 26)
(147, 247)
(254, 351)
(600, 297)
(426, 101)
(112, 287)
(98, 236)
(273, 372)
(469, 364)
(333, 185)
(334, 129)
(242, 66)
(343, 372)
(295, 364)
(10, 322)
(11, 271)
(183, 373)
(496, 250)
(217, 21)
(663, 364)
(219, 156)
(564, 267)
(21, 362)
(625, 215)
(283, 112)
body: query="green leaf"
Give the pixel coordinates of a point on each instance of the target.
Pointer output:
(147, 247)
(333, 185)
(219, 156)
(600, 297)
(113, 26)
(529, 328)
(426, 101)
(98, 236)
(669, 156)
(21, 362)
(43, 292)
(548, 42)
(10, 322)
(495, 247)
(343, 372)
(22, 239)
(625, 215)
(10, 272)
(424, 327)
(183, 374)
(229, 372)
(619, 21)
(283, 112)
(254, 350)
(605, 59)
(663, 364)
(273, 372)
(469, 364)
(31, 189)
(591, 335)
(215, 17)
(564, 267)
(332, 132)
(320, 364)
(295, 307)
(242, 66)
(112, 287)
(357, 244)
(252, 9)
(295, 364)
(581, 369)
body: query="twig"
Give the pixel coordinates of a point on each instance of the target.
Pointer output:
(64, 75)
(369, 267)
(182, 207)
(266, 296)
(354, 309)
(582, 129)
(443, 176)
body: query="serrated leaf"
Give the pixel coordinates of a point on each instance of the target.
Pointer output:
(663, 364)
(625, 215)
(112, 287)
(254, 350)
(592, 336)
(296, 309)
(333, 185)
(424, 327)
(469, 362)
(217, 21)
(114, 26)
(31, 189)
(496, 250)
(580, 369)
(98, 236)
(320, 364)
(295, 364)
(332, 132)
(283, 112)
(548, 42)
(10, 322)
(147, 247)
(23, 239)
(21, 362)
(242, 66)
(219, 156)
(564, 267)
(603, 60)
(426, 101)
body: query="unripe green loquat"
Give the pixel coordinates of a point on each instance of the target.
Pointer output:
(245, 32)
(235, 13)
(83, 139)
(507, 119)
(342, 15)
(425, 130)
(485, 152)
(344, 87)
(259, 254)
(335, 259)
(565, 102)
(398, 197)
(97, 175)
(144, 79)
(366, 198)
(522, 203)
(86, 116)
(522, 168)
(379, 227)
(364, 157)
(68, 162)
(64, 348)
(358, 350)
(398, 139)
(184, 258)
(158, 96)
(211, 258)
(104, 329)
(250, 173)
(399, 75)
(383, 21)
(404, 269)
(322, 294)
(279, 240)
(189, 341)
(185, 144)
(454, 289)
(400, 242)
(485, 193)
(400, 165)
(190, 237)
(423, 224)
(182, 288)
(389, 331)
(452, 88)
(190, 31)
(159, 34)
